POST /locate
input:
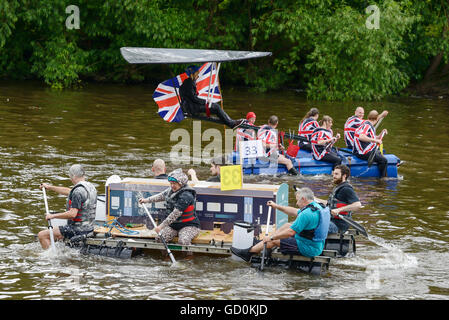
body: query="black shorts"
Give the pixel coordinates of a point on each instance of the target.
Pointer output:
(69, 230)
(289, 246)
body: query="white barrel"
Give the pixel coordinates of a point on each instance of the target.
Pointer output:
(100, 212)
(243, 236)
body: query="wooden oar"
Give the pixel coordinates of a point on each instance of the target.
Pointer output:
(356, 226)
(50, 227)
(170, 254)
(266, 234)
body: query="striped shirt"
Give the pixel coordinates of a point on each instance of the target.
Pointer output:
(350, 126)
(362, 147)
(319, 151)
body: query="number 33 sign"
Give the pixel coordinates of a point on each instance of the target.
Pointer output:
(231, 177)
(251, 149)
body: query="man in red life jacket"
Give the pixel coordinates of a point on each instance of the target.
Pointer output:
(354, 122)
(343, 200)
(268, 134)
(243, 134)
(81, 206)
(365, 141)
(180, 199)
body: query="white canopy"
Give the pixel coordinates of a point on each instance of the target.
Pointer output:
(163, 55)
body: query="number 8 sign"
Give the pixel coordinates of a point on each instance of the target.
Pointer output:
(231, 177)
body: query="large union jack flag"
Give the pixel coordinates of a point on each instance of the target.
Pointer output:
(167, 98)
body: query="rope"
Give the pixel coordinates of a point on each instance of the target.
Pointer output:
(115, 224)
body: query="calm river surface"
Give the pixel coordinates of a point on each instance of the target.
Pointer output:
(113, 129)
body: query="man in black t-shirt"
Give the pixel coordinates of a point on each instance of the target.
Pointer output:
(159, 169)
(342, 200)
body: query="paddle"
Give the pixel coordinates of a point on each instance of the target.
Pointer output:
(170, 254)
(356, 226)
(50, 227)
(266, 234)
(373, 153)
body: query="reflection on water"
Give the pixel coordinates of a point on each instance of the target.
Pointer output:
(115, 130)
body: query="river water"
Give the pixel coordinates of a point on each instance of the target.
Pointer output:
(114, 129)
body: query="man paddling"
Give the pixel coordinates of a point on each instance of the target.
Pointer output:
(80, 209)
(342, 201)
(191, 103)
(354, 122)
(298, 237)
(366, 140)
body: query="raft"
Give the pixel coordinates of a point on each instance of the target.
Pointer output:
(123, 232)
(305, 164)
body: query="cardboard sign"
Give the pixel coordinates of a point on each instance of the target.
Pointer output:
(231, 177)
(251, 149)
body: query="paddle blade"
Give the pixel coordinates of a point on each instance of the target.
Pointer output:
(354, 224)
(371, 157)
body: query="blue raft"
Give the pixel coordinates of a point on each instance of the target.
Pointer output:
(305, 164)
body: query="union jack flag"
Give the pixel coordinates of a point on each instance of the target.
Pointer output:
(166, 97)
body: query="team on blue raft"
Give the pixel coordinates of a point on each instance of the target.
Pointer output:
(315, 152)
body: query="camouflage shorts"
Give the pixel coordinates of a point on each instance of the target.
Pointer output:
(69, 230)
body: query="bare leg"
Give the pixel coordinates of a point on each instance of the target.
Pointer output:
(270, 244)
(287, 162)
(44, 237)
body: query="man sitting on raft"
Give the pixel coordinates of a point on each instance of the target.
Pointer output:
(80, 209)
(305, 236)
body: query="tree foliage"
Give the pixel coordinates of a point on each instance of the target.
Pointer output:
(321, 46)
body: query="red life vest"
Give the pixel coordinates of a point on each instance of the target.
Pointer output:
(333, 202)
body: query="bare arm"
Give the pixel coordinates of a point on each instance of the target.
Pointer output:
(350, 207)
(288, 210)
(61, 190)
(63, 215)
(192, 174)
(365, 138)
